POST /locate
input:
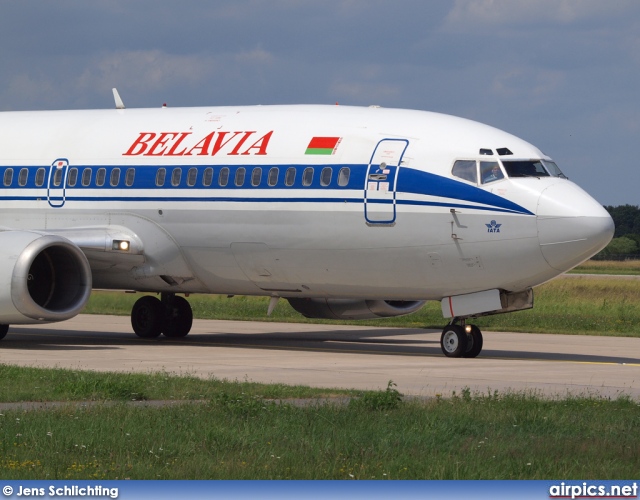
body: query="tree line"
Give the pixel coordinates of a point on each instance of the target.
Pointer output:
(626, 239)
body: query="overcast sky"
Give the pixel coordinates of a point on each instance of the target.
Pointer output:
(562, 74)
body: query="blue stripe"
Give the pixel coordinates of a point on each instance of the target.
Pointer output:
(425, 183)
(458, 205)
(145, 177)
(192, 199)
(409, 181)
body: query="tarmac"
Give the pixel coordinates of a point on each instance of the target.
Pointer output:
(349, 357)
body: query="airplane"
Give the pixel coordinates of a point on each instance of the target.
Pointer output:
(346, 212)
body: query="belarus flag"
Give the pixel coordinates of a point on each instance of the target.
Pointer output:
(322, 145)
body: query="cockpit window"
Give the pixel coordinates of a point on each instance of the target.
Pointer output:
(525, 168)
(465, 169)
(553, 169)
(490, 171)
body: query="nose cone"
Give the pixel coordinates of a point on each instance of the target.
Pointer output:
(572, 226)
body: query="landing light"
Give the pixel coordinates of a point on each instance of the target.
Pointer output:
(467, 328)
(122, 245)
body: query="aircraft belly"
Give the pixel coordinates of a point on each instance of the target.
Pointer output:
(304, 255)
(313, 253)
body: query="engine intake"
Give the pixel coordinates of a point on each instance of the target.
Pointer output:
(354, 308)
(44, 278)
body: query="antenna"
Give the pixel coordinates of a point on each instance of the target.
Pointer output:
(116, 97)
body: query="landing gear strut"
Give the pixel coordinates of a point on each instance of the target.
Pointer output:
(171, 316)
(461, 340)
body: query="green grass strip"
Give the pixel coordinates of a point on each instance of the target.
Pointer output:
(238, 434)
(49, 384)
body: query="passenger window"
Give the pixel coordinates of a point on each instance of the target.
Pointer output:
(130, 176)
(23, 177)
(8, 177)
(223, 178)
(207, 177)
(192, 176)
(160, 177)
(273, 176)
(57, 177)
(40, 173)
(325, 176)
(343, 176)
(240, 173)
(72, 177)
(290, 176)
(176, 175)
(307, 176)
(86, 177)
(256, 176)
(466, 169)
(101, 175)
(115, 177)
(490, 171)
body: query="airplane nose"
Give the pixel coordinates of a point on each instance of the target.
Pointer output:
(572, 226)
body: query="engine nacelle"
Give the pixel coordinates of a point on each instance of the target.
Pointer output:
(43, 278)
(354, 308)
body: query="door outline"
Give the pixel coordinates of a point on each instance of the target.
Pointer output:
(380, 185)
(56, 194)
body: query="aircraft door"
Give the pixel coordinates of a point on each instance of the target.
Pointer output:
(57, 182)
(381, 180)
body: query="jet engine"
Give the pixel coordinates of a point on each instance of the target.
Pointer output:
(354, 308)
(43, 278)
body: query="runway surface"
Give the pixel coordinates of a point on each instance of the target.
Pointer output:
(337, 356)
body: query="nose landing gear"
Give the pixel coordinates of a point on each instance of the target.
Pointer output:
(461, 340)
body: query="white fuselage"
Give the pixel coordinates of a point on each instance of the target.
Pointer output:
(400, 227)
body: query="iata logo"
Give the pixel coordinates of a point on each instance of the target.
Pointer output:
(182, 144)
(493, 227)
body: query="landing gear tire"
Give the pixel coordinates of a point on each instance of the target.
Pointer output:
(179, 318)
(454, 341)
(147, 317)
(3, 331)
(474, 342)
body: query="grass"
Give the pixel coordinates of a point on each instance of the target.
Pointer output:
(629, 267)
(237, 434)
(585, 306)
(44, 384)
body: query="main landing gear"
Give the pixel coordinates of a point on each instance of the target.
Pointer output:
(461, 340)
(170, 315)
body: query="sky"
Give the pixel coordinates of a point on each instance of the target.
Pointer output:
(562, 74)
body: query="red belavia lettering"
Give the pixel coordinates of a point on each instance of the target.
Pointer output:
(345, 212)
(180, 144)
